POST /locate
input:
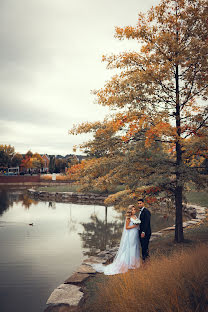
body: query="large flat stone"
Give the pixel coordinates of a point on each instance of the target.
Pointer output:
(200, 210)
(185, 224)
(65, 294)
(200, 217)
(84, 268)
(92, 259)
(156, 234)
(76, 278)
(170, 228)
(193, 222)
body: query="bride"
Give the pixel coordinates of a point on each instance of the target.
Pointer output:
(128, 255)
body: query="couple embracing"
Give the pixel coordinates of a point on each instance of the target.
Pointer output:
(136, 233)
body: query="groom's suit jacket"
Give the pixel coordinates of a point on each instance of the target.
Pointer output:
(145, 222)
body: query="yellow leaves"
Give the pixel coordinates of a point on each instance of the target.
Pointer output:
(76, 170)
(117, 197)
(117, 125)
(158, 131)
(84, 127)
(126, 32)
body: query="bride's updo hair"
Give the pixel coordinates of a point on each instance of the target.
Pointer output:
(129, 211)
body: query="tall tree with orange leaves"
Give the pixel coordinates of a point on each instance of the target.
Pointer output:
(158, 98)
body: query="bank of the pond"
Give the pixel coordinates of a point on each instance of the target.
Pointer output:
(32, 184)
(78, 292)
(68, 196)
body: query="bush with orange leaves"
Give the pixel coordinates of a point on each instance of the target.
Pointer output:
(58, 178)
(168, 284)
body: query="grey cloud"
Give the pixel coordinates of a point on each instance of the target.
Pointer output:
(13, 109)
(50, 59)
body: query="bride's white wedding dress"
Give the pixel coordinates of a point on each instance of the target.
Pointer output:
(128, 255)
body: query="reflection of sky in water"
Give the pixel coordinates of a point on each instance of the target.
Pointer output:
(36, 259)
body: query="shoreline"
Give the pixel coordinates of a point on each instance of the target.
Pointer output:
(39, 183)
(71, 294)
(76, 197)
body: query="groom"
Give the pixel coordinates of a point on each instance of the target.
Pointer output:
(145, 229)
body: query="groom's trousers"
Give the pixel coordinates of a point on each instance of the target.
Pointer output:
(145, 245)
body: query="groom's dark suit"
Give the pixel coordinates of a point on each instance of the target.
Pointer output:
(145, 227)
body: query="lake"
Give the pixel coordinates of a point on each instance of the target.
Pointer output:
(42, 243)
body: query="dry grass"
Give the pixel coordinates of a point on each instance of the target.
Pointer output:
(48, 177)
(167, 284)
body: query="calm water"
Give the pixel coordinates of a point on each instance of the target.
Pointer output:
(35, 259)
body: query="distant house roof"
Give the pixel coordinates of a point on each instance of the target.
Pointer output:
(45, 156)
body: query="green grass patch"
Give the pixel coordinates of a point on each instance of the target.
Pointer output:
(198, 197)
(74, 188)
(61, 188)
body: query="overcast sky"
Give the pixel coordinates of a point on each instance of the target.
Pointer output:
(50, 60)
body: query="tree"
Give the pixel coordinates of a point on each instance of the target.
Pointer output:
(29, 154)
(60, 165)
(52, 164)
(158, 96)
(37, 161)
(4, 159)
(27, 162)
(6, 154)
(16, 160)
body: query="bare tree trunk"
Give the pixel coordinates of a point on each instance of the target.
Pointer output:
(179, 180)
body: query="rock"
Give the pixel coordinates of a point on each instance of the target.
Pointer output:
(114, 248)
(103, 253)
(156, 234)
(85, 268)
(76, 278)
(65, 294)
(200, 217)
(92, 259)
(193, 222)
(107, 258)
(170, 228)
(200, 210)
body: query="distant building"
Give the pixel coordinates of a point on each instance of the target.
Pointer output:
(46, 160)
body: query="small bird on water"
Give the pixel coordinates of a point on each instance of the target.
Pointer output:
(31, 224)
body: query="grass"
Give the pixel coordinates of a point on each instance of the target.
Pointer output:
(61, 188)
(176, 279)
(177, 283)
(198, 197)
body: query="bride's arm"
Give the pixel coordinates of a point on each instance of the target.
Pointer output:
(129, 227)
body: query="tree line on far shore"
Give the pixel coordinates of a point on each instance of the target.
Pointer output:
(35, 162)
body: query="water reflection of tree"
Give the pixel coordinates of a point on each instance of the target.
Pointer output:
(27, 201)
(52, 205)
(71, 223)
(7, 199)
(4, 201)
(99, 233)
